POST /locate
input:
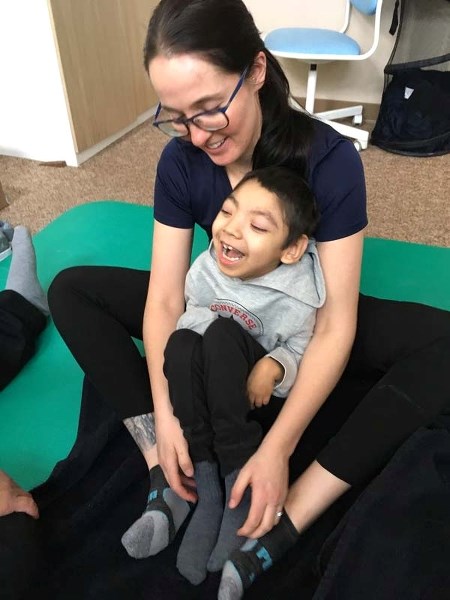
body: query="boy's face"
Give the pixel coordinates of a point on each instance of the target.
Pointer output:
(249, 232)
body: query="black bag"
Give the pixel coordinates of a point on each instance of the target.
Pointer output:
(414, 117)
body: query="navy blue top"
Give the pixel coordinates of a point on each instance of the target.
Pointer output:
(190, 188)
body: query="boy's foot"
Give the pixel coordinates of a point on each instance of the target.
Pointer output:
(232, 520)
(203, 529)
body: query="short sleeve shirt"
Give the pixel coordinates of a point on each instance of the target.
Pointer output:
(190, 188)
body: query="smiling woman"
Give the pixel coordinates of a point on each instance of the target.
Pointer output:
(219, 115)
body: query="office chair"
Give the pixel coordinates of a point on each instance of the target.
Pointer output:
(315, 46)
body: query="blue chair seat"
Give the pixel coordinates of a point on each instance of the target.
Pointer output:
(311, 41)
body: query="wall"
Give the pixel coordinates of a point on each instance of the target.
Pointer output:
(33, 115)
(100, 48)
(359, 81)
(34, 118)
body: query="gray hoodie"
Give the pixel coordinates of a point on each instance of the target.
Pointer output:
(278, 309)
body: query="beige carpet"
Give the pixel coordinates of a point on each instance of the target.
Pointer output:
(408, 198)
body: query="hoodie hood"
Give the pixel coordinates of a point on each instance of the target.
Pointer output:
(302, 281)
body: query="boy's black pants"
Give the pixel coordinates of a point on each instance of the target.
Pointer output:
(207, 378)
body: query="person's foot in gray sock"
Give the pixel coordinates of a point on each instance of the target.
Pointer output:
(160, 522)
(22, 276)
(203, 529)
(232, 520)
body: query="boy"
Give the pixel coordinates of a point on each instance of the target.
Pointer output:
(251, 301)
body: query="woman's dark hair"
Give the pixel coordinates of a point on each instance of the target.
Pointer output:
(296, 199)
(224, 33)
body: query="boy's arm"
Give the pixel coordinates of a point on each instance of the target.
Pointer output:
(290, 353)
(264, 376)
(277, 371)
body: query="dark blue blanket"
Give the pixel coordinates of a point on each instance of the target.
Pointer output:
(389, 541)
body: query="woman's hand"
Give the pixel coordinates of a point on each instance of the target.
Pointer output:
(174, 457)
(262, 379)
(267, 475)
(14, 499)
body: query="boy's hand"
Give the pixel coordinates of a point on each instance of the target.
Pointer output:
(262, 379)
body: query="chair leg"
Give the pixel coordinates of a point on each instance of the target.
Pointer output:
(361, 136)
(340, 113)
(311, 88)
(294, 104)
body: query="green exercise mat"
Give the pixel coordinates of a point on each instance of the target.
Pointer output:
(39, 409)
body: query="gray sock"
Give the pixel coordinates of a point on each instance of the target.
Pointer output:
(203, 529)
(231, 587)
(22, 276)
(232, 520)
(157, 526)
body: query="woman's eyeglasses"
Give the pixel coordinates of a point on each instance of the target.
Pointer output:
(208, 120)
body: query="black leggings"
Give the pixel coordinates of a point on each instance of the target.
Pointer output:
(20, 325)
(207, 378)
(396, 379)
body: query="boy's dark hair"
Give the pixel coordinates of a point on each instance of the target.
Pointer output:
(296, 198)
(224, 33)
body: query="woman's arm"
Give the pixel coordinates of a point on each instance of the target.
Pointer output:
(322, 365)
(165, 303)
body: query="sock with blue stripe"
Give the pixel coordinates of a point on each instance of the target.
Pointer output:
(159, 523)
(255, 557)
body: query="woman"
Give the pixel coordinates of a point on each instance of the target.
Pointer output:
(226, 98)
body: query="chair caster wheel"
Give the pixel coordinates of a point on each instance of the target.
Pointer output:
(357, 145)
(357, 120)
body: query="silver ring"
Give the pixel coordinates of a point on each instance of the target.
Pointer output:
(279, 514)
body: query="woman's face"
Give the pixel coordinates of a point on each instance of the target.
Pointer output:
(187, 85)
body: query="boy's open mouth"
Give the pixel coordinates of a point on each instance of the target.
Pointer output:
(231, 253)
